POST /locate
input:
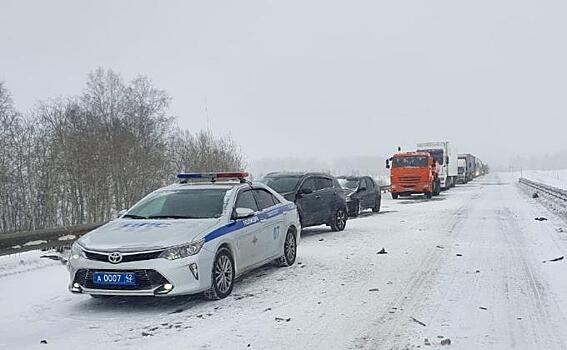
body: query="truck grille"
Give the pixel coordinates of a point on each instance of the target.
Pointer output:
(125, 257)
(145, 279)
(409, 180)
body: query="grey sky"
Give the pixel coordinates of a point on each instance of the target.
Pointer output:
(314, 78)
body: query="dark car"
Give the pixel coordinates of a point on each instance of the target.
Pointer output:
(319, 197)
(362, 193)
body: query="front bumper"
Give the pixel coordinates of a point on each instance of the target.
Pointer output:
(155, 277)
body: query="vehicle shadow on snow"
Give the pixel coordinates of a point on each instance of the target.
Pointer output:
(182, 303)
(420, 199)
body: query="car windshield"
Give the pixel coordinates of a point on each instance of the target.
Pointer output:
(409, 162)
(180, 204)
(281, 184)
(348, 184)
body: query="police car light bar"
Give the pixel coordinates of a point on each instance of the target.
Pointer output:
(184, 177)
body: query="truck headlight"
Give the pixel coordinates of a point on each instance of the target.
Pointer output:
(76, 251)
(183, 251)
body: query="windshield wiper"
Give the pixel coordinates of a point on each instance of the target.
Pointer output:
(171, 217)
(132, 216)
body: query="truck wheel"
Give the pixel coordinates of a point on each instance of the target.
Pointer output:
(394, 196)
(436, 188)
(428, 195)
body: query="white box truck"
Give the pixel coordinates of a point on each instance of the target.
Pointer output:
(447, 161)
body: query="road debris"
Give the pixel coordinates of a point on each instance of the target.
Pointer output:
(446, 341)
(43, 341)
(382, 251)
(374, 290)
(281, 319)
(535, 195)
(418, 321)
(483, 308)
(540, 218)
(554, 260)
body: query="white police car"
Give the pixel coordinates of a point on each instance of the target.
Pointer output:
(191, 237)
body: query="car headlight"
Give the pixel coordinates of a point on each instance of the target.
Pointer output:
(183, 251)
(76, 251)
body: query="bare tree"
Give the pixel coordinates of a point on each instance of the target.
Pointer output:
(80, 159)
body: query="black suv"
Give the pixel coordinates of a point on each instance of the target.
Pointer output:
(362, 193)
(319, 197)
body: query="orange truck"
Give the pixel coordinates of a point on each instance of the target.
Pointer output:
(413, 173)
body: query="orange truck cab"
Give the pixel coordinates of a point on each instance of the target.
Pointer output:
(413, 173)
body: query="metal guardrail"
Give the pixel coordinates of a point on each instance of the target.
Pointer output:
(550, 190)
(15, 242)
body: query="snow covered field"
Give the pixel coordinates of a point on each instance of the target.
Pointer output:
(556, 178)
(471, 266)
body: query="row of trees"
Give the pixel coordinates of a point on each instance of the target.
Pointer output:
(80, 159)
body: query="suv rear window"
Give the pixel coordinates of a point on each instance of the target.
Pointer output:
(323, 182)
(281, 184)
(264, 199)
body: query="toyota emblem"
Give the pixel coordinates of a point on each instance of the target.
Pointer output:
(115, 257)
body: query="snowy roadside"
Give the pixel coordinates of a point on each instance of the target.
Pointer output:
(471, 268)
(555, 178)
(18, 263)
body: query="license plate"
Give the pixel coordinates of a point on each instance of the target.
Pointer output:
(114, 279)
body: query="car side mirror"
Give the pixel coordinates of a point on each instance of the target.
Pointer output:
(241, 213)
(387, 164)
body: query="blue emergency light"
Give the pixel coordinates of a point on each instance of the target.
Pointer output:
(184, 177)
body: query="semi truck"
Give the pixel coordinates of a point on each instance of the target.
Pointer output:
(446, 158)
(470, 167)
(413, 173)
(462, 170)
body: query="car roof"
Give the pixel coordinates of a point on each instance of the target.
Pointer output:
(297, 174)
(204, 185)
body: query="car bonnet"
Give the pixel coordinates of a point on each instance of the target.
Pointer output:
(142, 235)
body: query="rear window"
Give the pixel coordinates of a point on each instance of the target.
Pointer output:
(265, 199)
(281, 184)
(181, 204)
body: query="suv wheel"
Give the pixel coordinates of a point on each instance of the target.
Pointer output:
(377, 205)
(222, 279)
(338, 222)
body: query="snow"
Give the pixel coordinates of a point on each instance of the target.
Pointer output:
(15, 264)
(556, 178)
(468, 265)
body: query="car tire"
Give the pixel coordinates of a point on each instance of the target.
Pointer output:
(289, 250)
(394, 196)
(377, 205)
(222, 276)
(339, 219)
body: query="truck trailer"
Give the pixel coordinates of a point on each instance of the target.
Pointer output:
(446, 158)
(470, 166)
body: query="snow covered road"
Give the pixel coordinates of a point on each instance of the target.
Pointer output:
(466, 266)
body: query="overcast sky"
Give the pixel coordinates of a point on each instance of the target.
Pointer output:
(314, 78)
